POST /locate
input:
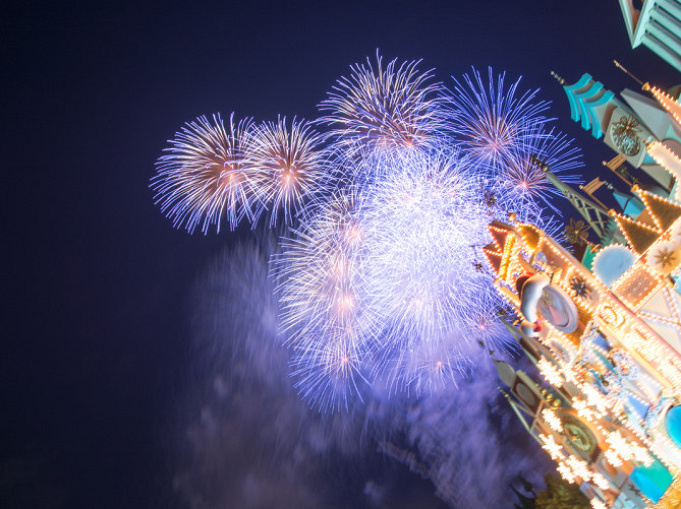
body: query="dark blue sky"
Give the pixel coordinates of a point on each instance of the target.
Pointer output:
(97, 285)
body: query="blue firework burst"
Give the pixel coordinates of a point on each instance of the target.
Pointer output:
(383, 108)
(203, 178)
(491, 120)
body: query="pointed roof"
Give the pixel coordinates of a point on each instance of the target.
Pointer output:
(493, 256)
(631, 15)
(670, 104)
(663, 211)
(645, 218)
(639, 236)
(621, 198)
(631, 206)
(499, 233)
(494, 251)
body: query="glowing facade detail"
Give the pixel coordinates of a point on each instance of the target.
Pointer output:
(603, 422)
(605, 334)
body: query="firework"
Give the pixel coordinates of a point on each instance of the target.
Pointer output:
(385, 273)
(381, 108)
(329, 315)
(491, 121)
(329, 374)
(423, 222)
(320, 274)
(380, 284)
(523, 183)
(423, 225)
(202, 177)
(291, 165)
(432, 365)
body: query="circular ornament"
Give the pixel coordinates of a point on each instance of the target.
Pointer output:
(579, 439)
(664, 257)
(624, 133)
(557, 308)
(506, 372)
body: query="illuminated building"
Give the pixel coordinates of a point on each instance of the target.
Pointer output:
(605, 337)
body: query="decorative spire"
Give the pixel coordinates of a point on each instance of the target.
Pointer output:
(558, 78)
(671, 105)
(620, 66)
(666, 100)
(493, 257)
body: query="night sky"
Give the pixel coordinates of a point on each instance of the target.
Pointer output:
(98, 359)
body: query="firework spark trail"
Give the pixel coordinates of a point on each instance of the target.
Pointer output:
(523, 184)
(431, 365)
(422, 225)
(202, 177)
(382, 298)
(491, 121)
(379, 109)
(329, 372)
(246, 439)
(482, 323)
(383, 275)
(418, 241)
(320, 272)
(329, 315)
(380, 281)
(291, 166)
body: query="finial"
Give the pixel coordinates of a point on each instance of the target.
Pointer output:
(620, 66)
(558, 78)
(612, 213)
(534, 159)
(635, 188)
